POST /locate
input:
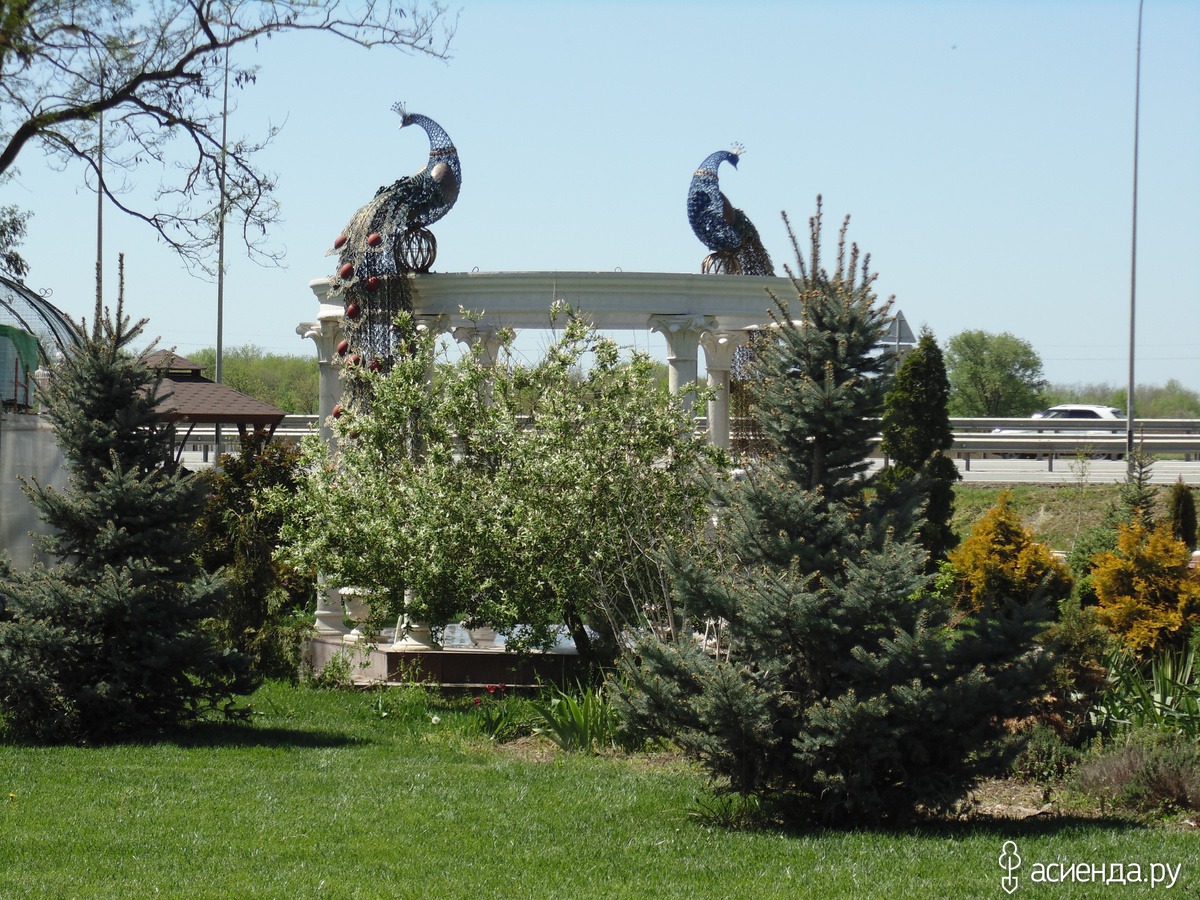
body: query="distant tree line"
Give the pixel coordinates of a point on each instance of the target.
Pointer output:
(289, 382)
(1001, 375)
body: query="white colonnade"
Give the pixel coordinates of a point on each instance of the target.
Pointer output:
(713, 312)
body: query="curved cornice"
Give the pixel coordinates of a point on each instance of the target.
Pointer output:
(612, 300)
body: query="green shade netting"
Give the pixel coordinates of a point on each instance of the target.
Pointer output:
(26, 344)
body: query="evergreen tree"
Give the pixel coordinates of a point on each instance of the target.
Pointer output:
(916, 438)
(1002, 558)
(109, 642)
(264, 610)
(1147, 594)
(826, 680)
(1139, 496)
(1183, 513)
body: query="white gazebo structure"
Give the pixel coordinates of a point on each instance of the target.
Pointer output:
(715, 313)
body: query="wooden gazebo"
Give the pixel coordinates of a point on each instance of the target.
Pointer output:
(195, 400)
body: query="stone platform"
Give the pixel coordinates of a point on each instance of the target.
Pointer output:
(460, 663)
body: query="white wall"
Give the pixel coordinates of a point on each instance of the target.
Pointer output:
(27, 450)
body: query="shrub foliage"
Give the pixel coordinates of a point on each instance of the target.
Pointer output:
(1149, 772)
(510, 495)
(1148, 596)
(1001, 559)
(263, 610)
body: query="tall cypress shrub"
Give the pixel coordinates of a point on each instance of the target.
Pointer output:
(808, 668)
(1182, 505)
(917, 438)
(108, 642)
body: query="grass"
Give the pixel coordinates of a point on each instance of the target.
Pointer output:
(323, 795)
(1057, 513)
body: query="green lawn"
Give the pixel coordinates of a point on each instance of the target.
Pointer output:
(321, 796)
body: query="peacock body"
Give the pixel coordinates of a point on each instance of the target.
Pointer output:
(389, 238)
(722, 228)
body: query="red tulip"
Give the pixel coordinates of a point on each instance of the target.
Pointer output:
(343, 347)
(340, 242)
(337, 411)
(373, 283)
(345, 271)
(352, 311)
(374, 239)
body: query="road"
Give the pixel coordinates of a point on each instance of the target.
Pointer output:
(1099, 471)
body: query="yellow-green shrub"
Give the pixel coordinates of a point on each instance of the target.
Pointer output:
(1147, 594)
(1001, 559)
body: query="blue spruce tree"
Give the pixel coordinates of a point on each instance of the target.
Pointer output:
(109, 642)
(827, 683)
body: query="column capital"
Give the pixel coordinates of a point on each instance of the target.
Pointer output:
(719, 348)
(325, 333)
(683, 341)
(435, 322)
(682, 332)
(488, 337)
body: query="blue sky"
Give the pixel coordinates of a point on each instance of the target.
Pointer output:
(983, 149)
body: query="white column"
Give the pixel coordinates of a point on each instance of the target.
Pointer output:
(719, 347)
(330, 612)
(487, 337)
(326, 333)
(683, 341)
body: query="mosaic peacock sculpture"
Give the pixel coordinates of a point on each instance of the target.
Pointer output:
(726, 231)
(389, 238)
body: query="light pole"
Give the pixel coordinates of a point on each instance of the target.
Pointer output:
(100, 212)
(1137, 100)
(221, 246)
(100, 189)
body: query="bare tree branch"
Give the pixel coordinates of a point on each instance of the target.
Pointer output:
(154, 70)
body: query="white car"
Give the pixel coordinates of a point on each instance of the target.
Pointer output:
(1108, 415)
(1083, 411)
